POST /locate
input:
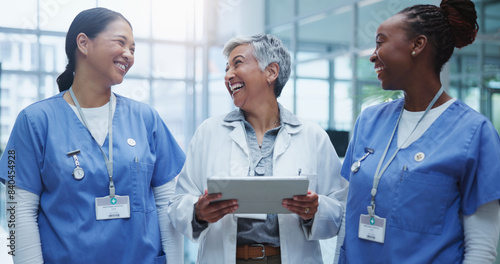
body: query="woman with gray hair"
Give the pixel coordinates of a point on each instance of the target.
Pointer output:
(259, 138)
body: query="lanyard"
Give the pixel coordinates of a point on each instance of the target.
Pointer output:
(380, 170)
(109, 162)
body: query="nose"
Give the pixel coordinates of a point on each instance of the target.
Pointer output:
(128, 55)
(373, 57)
(229, 75)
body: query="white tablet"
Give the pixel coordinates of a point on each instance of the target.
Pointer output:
(259, 194)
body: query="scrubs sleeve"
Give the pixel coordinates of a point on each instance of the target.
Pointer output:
(21, 161)
(169, 156)
(480, 182)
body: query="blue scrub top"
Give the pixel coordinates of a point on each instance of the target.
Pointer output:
(42, 136)
(422, 201)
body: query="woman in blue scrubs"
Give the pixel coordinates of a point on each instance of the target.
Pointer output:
(90, 173)
(423, 170)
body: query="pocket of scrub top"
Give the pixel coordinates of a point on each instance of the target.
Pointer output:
(142, 191)
(421, 202)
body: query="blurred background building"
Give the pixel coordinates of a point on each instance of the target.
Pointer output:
(179, 67)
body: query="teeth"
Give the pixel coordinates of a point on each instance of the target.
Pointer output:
(379, 69)
(123, 67)
(236, 86)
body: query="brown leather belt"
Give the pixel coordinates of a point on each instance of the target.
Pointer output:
(256, 251)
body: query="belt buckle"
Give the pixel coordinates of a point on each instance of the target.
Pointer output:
(263, 250)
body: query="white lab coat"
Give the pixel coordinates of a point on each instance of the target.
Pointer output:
(219, 148)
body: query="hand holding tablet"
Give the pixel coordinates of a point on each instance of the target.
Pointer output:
(258, 194)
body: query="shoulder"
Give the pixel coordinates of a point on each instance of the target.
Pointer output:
(134, 105)
(310, 127)
(137, 111)
(382, 108)
(211, 125)
(45, 109)
(471, 118)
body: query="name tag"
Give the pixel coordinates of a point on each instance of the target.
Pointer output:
(372, 228)
(112, 208)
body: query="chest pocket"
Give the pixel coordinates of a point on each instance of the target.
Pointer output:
(142, 199)
(422, 201)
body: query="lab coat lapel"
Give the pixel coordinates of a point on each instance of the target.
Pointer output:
(284, 139)
(239, 162)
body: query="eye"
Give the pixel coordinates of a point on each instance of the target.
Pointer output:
(237, 62)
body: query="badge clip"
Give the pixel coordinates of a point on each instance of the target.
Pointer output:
(78, 172)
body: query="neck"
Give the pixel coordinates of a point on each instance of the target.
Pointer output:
(88, 94)
(264, 118)
(419, 97)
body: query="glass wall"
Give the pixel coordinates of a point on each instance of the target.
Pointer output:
(331, 42)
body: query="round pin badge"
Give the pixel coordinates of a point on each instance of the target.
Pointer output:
(78, 173)
(131, 142)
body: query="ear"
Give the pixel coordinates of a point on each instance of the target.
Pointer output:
(82, 43)
(418, 45)
(272, 71)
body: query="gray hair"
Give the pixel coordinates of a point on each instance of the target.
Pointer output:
(266, 50)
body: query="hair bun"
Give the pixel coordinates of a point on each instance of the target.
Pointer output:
(463, 20)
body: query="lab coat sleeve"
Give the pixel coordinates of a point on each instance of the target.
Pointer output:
(171, 240)
(332, 192)
(190, 185)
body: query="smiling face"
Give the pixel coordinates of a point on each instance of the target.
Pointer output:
(392, 55)
(111, 53)
(245, 81)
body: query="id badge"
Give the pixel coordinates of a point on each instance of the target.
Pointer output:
(372, 229)
(112, 208)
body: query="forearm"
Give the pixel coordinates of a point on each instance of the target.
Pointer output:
(28, 247)
(481, 231)
(172, 241)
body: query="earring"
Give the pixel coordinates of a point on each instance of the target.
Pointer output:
(413, 53)
(269, 82)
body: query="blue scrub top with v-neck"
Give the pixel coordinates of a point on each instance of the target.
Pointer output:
(45, 132)
(422, 200)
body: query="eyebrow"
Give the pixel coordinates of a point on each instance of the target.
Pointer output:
(237, 56)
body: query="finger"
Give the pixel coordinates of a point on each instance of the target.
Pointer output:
(217, 210)
(311, 196)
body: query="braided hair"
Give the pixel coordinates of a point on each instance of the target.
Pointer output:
(452, 24)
